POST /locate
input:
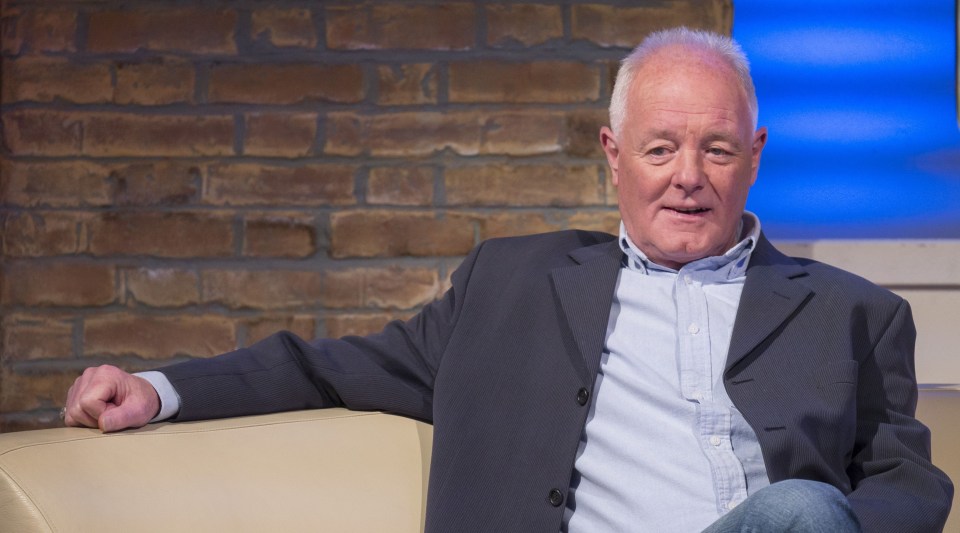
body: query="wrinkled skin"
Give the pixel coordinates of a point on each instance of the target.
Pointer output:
(686, 157)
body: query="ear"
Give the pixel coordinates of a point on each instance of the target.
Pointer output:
(612, 151)
(759, 141)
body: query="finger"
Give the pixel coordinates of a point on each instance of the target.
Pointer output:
(89, 409)
(73, 414)
(78, 418)
(99, 388)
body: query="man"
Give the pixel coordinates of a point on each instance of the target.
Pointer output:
(683, 376)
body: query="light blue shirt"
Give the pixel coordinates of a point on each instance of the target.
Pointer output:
(664, 449)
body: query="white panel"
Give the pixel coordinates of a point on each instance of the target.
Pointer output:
(898, 263)
(938, 336)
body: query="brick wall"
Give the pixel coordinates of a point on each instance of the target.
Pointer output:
(180, 179)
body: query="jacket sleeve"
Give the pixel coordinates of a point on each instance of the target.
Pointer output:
(895, 485)
(392, 371)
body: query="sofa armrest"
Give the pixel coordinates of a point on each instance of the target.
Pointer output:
(332, 469)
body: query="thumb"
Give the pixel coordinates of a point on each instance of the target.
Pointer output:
(115, 418)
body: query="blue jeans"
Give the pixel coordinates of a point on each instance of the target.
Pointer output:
(794, 505)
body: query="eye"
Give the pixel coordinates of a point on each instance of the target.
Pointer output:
(717, 151)
(659, 151)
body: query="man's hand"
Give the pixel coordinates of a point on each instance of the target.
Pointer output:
(111, 399)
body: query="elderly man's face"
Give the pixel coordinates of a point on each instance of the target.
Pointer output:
(685, 157)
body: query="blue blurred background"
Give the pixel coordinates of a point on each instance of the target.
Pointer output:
(860, 101)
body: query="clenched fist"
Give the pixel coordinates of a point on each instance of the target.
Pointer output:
(111, 399)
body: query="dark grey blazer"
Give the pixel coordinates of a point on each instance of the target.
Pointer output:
(820, 365)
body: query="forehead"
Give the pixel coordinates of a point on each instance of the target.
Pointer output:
(688, 81)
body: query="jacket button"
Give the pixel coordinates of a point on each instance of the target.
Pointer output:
(555, 497)
(583, 396)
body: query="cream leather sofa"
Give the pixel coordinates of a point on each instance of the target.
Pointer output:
(330, 470)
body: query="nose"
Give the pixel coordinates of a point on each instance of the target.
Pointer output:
(688, 174)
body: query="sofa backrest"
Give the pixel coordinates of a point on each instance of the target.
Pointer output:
(331, 470)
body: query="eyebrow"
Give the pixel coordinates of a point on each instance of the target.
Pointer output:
(650, 135)
(669, 135)
(723, 136)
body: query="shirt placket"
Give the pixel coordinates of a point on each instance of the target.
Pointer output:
(693, 333)
(696, 384)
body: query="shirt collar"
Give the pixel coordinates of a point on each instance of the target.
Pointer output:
(732, 264)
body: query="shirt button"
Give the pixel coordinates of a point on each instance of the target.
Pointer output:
(687, 279)
(715, 440)
(698, 395)
(555, 497)
(731, 505)
(583, 396)
(693, 328)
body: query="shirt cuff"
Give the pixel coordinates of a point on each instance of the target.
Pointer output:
(169, 399)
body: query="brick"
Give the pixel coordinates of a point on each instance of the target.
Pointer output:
(606, 220)
(32, 337)
(192, 30)
(158, 337)
(156, 183)
(262, 289)
(280, 134)
(279, 235)
(449, 26)
(341, 325)
(535, 185)
(37, 234)
(510, 224)
(68, 284)
(523, 24)
(41, 132)
(54, 184)
(583, 132)
(262, 327)
(523, 133)
(47, 419)
(410, 134)
(345, 134)
(40, 30)
(156, 234)
(162, 287)
(613, 67)
(554, 82)
(384, 288)
(35, 389)
(285, 83)
(51, 79)
(157, 81)
(400, 185)
(284, 27)
(392, 234)
(53, 133)
(620, 26)
(118, 134)
(407, 84)
(302, 185)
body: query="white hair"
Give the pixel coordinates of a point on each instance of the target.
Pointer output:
(723, 46)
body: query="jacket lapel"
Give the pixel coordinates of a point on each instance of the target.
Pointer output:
(585, 292)
(771, 295)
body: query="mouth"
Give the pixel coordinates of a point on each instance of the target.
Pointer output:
(689, 210)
